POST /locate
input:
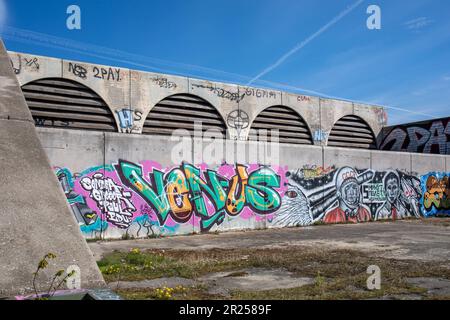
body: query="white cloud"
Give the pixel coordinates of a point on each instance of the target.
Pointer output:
(446, 78)
(418, 23)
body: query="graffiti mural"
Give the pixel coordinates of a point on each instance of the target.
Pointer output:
(148, 199)
(421, 137)
(88, 219)
(347, 195)
(111, 198)
(436, 194)
(127, 199)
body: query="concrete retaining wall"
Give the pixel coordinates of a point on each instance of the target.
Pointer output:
(280, 185)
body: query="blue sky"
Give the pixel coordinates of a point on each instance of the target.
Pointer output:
(404, 65)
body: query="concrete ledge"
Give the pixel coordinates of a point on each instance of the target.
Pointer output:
(342, 157)
(425, 163)
(386, 160)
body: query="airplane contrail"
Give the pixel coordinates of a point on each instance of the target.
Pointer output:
(26, 36)
(306, 41)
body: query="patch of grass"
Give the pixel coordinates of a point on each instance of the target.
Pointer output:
(188, 293)
(338, 273)
(348, 288)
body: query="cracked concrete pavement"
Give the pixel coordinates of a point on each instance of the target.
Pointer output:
(407, 239)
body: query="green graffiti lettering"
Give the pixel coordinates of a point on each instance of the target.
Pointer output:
(182, 192)
(260, 194)
(214, 191)
(132, 177)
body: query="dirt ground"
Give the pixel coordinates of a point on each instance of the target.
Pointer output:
(317, 262)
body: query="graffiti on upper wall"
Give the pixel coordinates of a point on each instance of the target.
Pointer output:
(221, 93)
(33, 63)
(19, 62)
(145, 199)
(127, 118)
(436, 189)
(382, 116)
(260, 93)
(16, 67)
(320, 135)
(78, 70)
(109, 74)
(423, 137)
(347, 195)
(239, 120)
(303, 99)
(164, 83)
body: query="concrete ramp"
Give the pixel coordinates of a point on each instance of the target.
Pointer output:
(35, 218)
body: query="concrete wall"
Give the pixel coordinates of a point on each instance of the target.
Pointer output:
(140, 91)
(281, 185)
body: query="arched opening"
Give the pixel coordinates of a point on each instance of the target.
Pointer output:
(63, 103)
(290, 125)
(181, 111)
(352, 132)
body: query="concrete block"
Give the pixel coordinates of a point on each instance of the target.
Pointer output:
(341, 157)
(382, 160)
(35, 218)
(76, 150)
(425, 163)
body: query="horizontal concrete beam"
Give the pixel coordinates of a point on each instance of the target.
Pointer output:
(140, 91)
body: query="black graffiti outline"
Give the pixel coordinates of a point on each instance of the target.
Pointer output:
(222, 93)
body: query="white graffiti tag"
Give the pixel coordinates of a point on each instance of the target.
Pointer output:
(113, 200)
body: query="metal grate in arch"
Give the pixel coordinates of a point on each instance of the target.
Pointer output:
(58, 102)
(352, 132)
(291, 126)
(181, 111)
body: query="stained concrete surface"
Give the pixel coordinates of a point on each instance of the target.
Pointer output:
(222, 283)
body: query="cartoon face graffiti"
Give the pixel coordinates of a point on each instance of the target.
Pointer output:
(392, 187)
(348, 187)
(350, 193)
(349, 207)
